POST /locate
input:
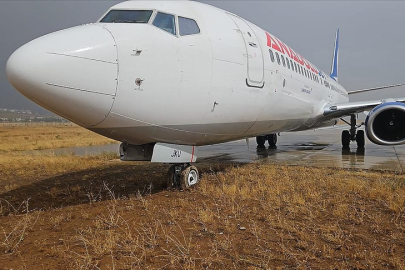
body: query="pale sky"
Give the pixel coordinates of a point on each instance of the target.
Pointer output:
(372, 38)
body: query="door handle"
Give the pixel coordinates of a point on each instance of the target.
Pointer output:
(252, 44)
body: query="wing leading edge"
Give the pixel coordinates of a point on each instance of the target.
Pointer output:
(338, 110)
(374, 88)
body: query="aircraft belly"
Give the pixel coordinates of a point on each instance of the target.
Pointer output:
(204, 134)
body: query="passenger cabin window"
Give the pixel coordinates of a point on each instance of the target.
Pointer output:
(188, 27)
(271, 55)
(292, 65)
(296, 67)
(127, 16)
(288, 63)
(282, 59)
(165, 22)
(278, 58)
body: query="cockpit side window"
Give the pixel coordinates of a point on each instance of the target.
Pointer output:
(165, 22)
(127, 16)
(188, 27)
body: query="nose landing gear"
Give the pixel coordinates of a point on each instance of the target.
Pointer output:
(352, 135)
(182, 176)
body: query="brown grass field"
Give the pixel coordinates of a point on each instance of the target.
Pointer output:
(38, 137)
(95, 212)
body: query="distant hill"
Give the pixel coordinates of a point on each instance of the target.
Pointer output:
(16, 115)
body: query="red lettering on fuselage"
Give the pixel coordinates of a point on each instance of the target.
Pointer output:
(284, 48)
(281, 47)
(306, 63)
(272, 43)
(300, 59)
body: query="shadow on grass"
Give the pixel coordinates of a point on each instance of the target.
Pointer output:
(93, 185)
(86, 186)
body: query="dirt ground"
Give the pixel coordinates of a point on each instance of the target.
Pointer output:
(96, 212)
(120, 216)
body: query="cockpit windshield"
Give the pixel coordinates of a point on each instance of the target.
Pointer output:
(127, 16)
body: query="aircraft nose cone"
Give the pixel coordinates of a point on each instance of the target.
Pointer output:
(72, 72)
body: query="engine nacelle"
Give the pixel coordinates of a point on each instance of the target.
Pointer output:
(385, 124)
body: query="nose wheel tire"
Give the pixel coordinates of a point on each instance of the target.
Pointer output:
(171, 178)
(182, 177)
(189, 177)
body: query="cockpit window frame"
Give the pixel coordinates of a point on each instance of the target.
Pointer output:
(176, 23)
(188, 18)
(152, 16)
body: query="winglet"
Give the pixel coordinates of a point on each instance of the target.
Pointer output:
(335, 60)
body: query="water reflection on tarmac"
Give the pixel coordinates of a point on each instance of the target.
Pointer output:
(320, 148)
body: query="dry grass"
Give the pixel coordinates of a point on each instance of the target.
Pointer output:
(18, 166)
(21, 169)
(39, 137)
(240, 217)
(70, 212)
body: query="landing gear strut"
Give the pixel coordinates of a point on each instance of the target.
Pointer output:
(271, 139)
(182, 176)
(352, 135)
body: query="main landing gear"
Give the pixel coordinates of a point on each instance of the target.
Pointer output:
(182, 176)
(271, 139)
(352, 135)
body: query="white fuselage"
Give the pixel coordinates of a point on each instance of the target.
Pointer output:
(139, 84)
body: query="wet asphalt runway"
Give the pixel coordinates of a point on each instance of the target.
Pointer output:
(321, 148)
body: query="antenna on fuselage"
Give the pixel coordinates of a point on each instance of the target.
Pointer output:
(335, 59)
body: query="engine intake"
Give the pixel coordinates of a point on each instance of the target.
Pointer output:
(385, 124)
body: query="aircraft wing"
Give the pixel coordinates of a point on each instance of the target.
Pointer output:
(338, 110)
(374, 88)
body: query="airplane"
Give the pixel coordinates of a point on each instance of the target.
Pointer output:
(165, 77)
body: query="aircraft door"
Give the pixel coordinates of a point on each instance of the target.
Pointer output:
(255, 62)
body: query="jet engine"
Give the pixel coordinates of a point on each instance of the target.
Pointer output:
(385, 124)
